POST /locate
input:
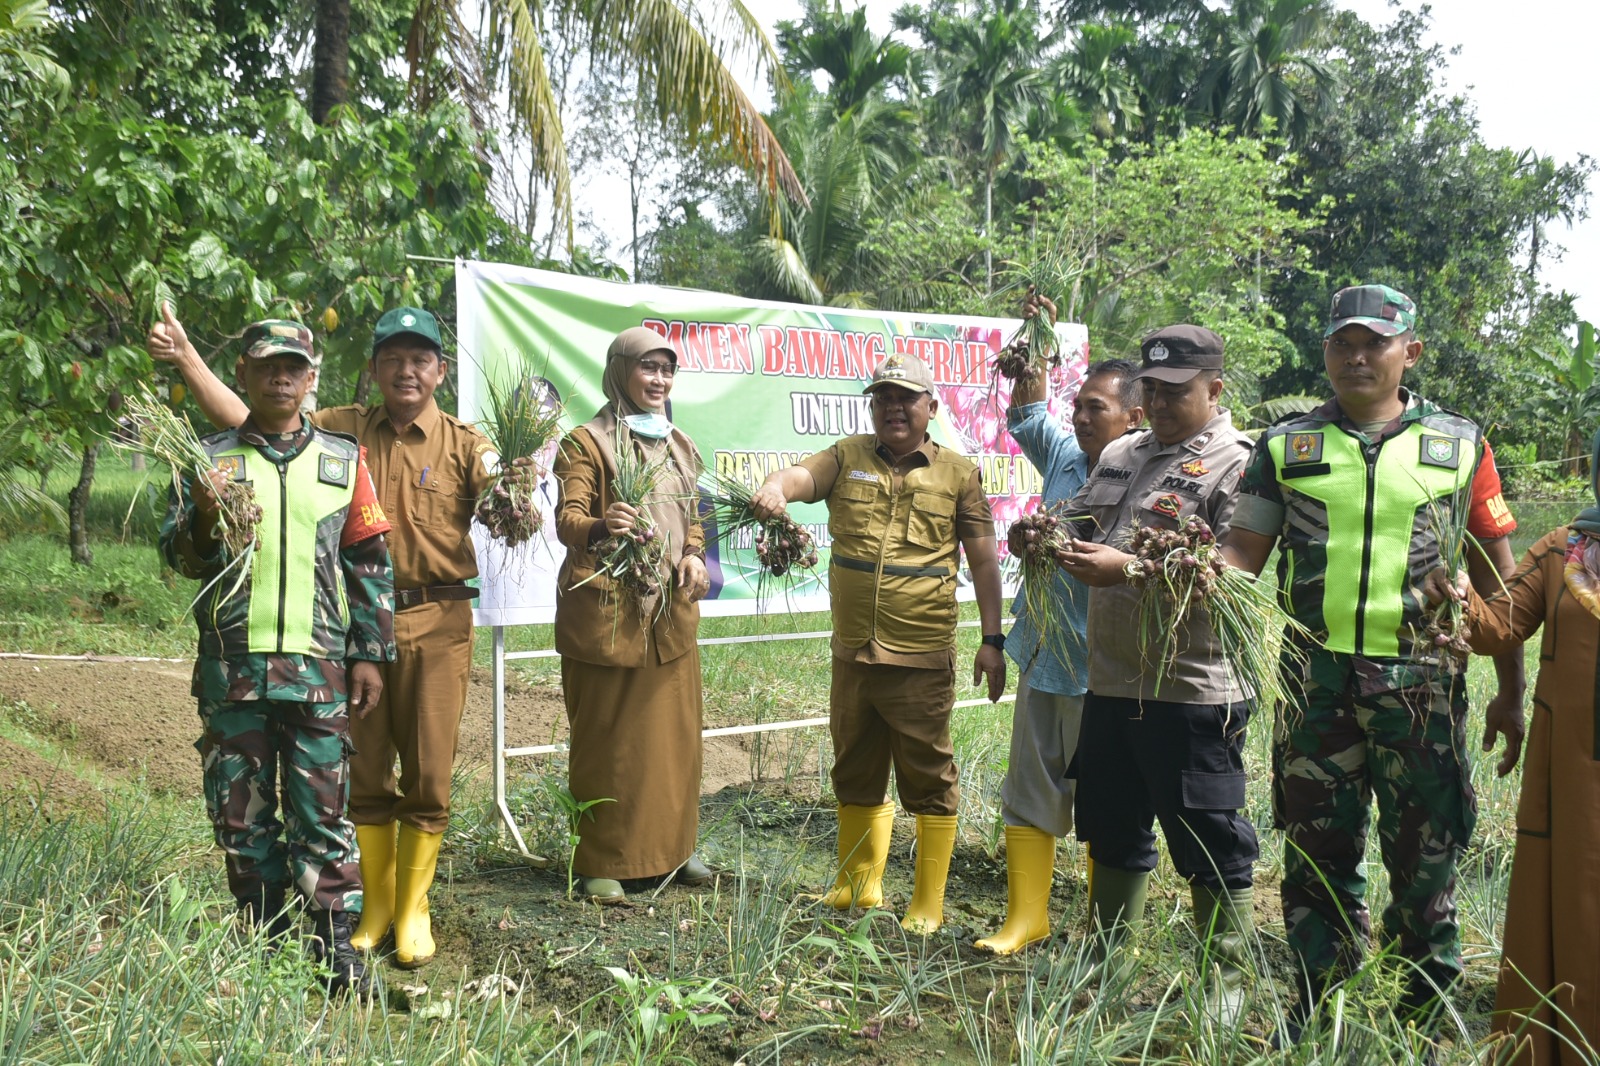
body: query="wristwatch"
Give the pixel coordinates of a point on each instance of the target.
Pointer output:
(995, 640)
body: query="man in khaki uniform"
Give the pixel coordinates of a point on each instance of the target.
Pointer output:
(900, 510)
(1173, 755)
(428, 469)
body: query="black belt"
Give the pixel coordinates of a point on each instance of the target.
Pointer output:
(406, 598)
(891, 568)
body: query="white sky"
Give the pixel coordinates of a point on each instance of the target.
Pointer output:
(1528, 67)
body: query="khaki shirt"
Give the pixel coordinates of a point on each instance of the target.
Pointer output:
(973, 520)
(428, 481)
(1141, 482)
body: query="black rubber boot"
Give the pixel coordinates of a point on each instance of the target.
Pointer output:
(331, 947)
(267, 912)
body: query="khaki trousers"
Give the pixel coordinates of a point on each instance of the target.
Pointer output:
(417, 719)
(880, 715)
(1044, 737)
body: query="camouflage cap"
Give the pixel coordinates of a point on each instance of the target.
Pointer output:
(1385, 311)
(279, 336)
(1178, 353)
(407, 321)
(907, 371)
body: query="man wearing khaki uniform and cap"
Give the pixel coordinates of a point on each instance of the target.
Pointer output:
(428, 469)
(900, 510)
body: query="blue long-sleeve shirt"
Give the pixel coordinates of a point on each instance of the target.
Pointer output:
(1055, 453)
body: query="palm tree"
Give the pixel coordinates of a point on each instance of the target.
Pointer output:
(989, 82)
(857, 167)
(680, 58)
(857, 61)
(1096, 74)
(22, 25)
(1267, 68)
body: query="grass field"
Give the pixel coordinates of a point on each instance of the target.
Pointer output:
(117, 944)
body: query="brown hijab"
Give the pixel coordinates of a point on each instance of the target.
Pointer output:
(673, 505)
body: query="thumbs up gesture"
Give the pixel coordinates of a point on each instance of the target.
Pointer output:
(167, 342)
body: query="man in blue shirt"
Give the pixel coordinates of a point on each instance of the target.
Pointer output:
(1037, 797)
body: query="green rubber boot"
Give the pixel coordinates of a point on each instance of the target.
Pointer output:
(1116, 908)
(1224, 919)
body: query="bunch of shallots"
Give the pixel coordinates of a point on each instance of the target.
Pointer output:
(507, 508)
(1183, 571)
(523, 418)
(783, 547)
(1033, 541)
(165, 436)
(782, 544)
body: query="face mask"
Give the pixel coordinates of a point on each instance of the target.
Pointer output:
(654, 426)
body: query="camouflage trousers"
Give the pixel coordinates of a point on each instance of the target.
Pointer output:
(1334, 748)
(244, 748)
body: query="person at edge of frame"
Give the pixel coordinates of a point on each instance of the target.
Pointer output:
(1368, 487)
(291, 634)
(1037, 796)
(1547, 999)
(901, 509)
(429, 469)
(1166, 746)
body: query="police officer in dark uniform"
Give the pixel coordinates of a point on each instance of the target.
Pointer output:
(1173, 756)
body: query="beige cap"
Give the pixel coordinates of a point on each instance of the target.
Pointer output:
(907, 371)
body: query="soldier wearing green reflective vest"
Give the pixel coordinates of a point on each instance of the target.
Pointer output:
(290, 639)
(1362, 496)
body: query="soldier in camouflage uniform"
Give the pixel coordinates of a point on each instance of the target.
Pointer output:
(287, 633)
(1359, 494)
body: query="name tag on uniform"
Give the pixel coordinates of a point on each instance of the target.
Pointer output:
(1441, 451)
(1113, 473)
(332, 470)
(863, 475)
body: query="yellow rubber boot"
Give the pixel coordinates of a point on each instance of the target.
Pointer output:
(936, 841)
(863, 854)
(413, 931)
(377, 845)
(1030, 862)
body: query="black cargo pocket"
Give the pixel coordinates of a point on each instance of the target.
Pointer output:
(1213, 792)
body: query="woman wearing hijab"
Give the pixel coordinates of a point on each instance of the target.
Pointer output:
(1552, 938)
(632, 679)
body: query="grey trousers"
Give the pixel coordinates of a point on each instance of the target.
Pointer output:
(1044, 735)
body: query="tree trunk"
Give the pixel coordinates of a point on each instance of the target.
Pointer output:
(988, 232)
(330, 59)
(363, 385)
(78, 509)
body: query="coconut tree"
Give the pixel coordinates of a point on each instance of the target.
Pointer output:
(857, 61)
(989, 82)
(856, 168)
(1267, 66)
(680, 51)
(1094, 72)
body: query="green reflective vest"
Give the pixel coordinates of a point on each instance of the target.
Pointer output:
(1363, 523)
(291, 599)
